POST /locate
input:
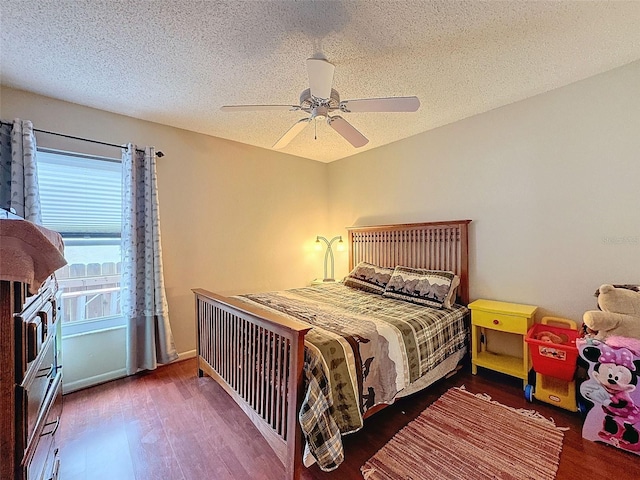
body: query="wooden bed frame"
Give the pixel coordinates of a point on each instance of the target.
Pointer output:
(257, 355)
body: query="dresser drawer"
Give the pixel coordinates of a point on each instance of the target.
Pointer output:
(500, 321)
(35, 387)
(41, 455)
(33, 327)
(52, 465)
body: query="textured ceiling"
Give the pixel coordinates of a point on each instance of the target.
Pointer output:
(178, 62)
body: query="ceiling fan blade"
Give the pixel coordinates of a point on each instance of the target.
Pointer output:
(390, 104)
(253, 108)
(320, 77)
(291, 133)
(348, 131)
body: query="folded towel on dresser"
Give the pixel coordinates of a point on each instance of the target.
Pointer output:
(29, 253)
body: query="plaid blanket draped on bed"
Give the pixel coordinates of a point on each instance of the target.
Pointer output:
(363, 350)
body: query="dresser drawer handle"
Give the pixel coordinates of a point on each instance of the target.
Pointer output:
(496, 322)
(32, 341)
(55, 429)
(49, 371)
(56, 469)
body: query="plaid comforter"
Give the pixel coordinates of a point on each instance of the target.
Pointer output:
(364, 350)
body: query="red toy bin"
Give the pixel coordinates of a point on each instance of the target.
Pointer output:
(556, 360)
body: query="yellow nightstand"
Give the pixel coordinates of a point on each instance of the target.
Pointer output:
(511, 318)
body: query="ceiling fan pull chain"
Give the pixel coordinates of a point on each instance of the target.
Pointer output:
(315, 128)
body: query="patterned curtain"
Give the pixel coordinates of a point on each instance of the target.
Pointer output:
(18, 170)
(144, 303)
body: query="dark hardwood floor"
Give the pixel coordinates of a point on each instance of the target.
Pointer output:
(171, 425)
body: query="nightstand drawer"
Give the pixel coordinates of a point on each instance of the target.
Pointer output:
(500, 321)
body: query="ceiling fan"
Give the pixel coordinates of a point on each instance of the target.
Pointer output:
(319, 100)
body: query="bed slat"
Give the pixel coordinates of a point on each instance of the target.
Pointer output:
(258, 361)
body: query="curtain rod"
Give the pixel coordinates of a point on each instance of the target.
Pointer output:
(158, 153)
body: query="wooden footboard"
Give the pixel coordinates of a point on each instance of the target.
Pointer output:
(257, 356)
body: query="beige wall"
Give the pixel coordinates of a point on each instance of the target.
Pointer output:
(234, 218)
(551, 183)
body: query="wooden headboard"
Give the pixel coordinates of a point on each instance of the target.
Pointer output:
(435, 246)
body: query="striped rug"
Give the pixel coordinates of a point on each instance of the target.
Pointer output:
(464, 436)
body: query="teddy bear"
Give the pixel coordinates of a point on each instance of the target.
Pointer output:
(619, 313)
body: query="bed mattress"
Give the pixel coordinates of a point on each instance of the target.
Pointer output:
(364, 349)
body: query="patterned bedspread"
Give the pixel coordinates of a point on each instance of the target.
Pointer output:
(364, 349)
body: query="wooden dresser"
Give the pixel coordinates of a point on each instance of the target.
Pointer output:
(30, 382)
(30, 353)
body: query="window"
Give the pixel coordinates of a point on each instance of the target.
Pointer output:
(81, 197)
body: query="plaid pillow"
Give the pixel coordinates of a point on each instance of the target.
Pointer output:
(434, 288)
(368, 277)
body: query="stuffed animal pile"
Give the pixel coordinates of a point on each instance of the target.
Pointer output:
(619, 313)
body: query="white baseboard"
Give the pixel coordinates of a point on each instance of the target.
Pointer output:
(188, 354)
(108, 376)
(92, 381)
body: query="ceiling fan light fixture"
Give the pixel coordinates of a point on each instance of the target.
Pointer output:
(320, 99)
(320, 111)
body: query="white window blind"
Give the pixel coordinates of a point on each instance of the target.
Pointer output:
(80, 195)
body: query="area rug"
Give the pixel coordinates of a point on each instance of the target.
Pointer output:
(464, 436)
